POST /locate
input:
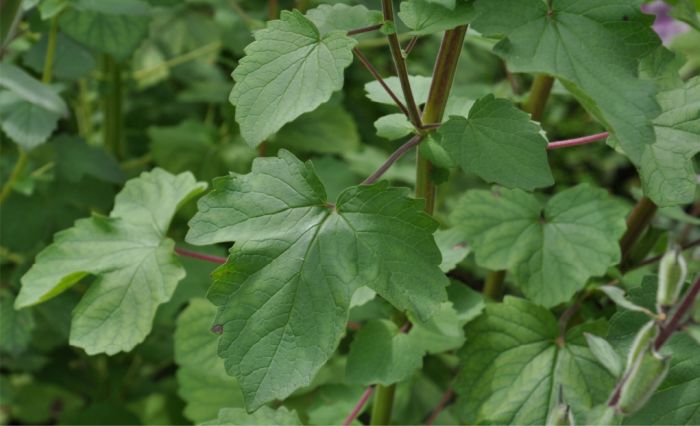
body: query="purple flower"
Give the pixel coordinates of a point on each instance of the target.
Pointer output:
(665, 26)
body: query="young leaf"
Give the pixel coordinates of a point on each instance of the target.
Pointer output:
(115, 27)
(424, 18)
(203, 383)
(605, 353)
(381, 354)
(393, 126)
(667, 169)
(288, 70)
(134, 262)
(341, 17)
(499, 143)
(512, 368)
(617, 295)
(552, 250)
(284, 293)
(265, 416)
(575, 41)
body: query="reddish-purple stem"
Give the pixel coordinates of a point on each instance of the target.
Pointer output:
(578, 141)
(200, 256)
(446, 397)
(368, 65)
(364, 29)
(394, 157)
(679, 315)
(359, 406)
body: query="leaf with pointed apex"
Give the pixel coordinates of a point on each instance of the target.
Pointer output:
(288, 70)
(420, 86)
(551, 250)
(381, 354)
(341, 17)
(667, 169)
(592, 46)
(499, 143)
(285, 291)
(116, 27)
(203, 383)
(264, 416)
(512, 367)
(134, 263)
(423, 17)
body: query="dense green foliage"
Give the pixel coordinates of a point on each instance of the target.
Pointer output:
(312, 212)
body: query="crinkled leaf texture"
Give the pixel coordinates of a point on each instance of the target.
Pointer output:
(202, 380)
(499, 143)
(551, 249)
(265, 416)
(134, 263)
(284, 293)
(514, 364)
(288, 70)
(592, 46)
(667, 169)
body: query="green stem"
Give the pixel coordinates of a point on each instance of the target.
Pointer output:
(112, 107)
(50, 52)
(383, 404)
(493, 287)
(400, 66)
(642, 214)
(14, 175)
(443, 77)
(539, 93)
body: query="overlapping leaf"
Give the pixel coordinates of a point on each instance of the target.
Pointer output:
(284, 293)
(288, 70)
(424, 17)
(499, 143)
(514, 364)
(341, 17)
(552, 250)
(593, 47)
(134, 263)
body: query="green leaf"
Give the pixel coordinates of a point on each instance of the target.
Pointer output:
(288, 70)
(393, 126)
(667, 168)
(341, 17)
(26, 87)
(686, 11)
(284, 293)
(28, 124)
(329, 129)
(499, 143)
(72, 60)
(264, 416)
(593, 47)
(450, 4)
(420, 86)
(424, 17)
(382, 354)
(551, 250)
(134, 263)
(203, 383)
(605, 354)
(75, 159)
(512, 367)
(452, 247)
(116, 27)
(15, 326)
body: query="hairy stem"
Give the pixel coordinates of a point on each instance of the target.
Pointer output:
(47, 75)
(112, 107)
(539, 93)
(200, 256)
(383, 405)
(364, 61)
(15, 174)
(637, 222)
(359, 406)
(443, 77)
(400, 66)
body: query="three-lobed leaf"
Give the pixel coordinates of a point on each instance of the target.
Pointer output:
(552, 249)
(285, 291)
(288, 70)
(134, 263)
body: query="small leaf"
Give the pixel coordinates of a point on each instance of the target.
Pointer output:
(288, 70)
(617, 295)
(134, 263)
(499, 143)
(551, 250)
(605, 354)
(393, 126)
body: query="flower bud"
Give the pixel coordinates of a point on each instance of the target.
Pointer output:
(672, 272)
(641, 381)
(642, 342)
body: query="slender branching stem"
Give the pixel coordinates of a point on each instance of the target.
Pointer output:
(638, 220)
(47, 75)
(410, 45)
(446, 397)
(400, 66)
(362, 30)
(359, 406)
(15, 174)
(393, 158)
(539, 93)
(200, 256)
(577, 141)
(657, 258)
(372, 70)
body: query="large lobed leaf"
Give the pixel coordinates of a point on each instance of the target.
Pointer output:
(285, 291)
(288, 70)
(134, 263)
(515, 363)
(552, 249)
